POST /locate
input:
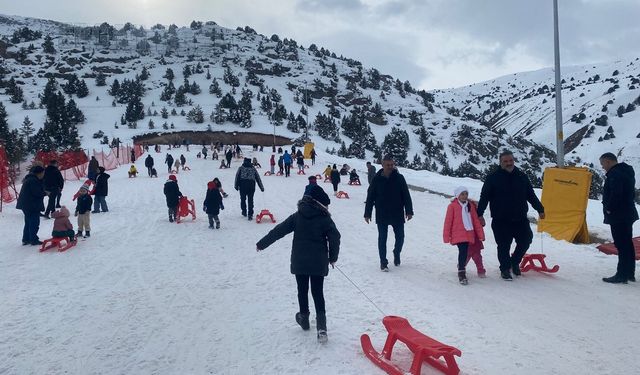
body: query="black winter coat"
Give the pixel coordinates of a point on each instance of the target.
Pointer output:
(618, 195)
(148, 162)
(391, 197)
(102, 185)
(246, 178)
(31, 195)
(507, 195)
(316, 240)
(169, 161)
(213, 202)
(335, 176)
(84, 203)
(172, 193)
(53, 180)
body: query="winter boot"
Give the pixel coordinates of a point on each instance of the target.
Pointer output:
(79, 234)
(615, 279)
(506, 275)
(321, 325)
(515, 268)
(462, 277)
(303, 320)
(87, 234)
(396, 258)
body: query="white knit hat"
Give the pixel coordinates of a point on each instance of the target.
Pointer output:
(459, 190)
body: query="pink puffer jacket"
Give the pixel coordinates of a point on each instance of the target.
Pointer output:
(61, 222)
(454, 231)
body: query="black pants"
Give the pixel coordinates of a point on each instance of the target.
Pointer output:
(31, 227)
(213, 218)
(287, 170)
(463, 250)
(228, 162)
(150, 171)
(383, 231)
(246, 195)
(335, 186)
(51, 204)
(623, 240)
(317, 293)
(505, 231)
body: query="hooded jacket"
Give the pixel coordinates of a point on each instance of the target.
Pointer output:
(102, 185)
(61, 222)
(213, 200)
(148, 162)
(246, 177)
(31, 195)
(453, 231)
(618, 195)
(53, 180)
(172, 193)
(316, 240)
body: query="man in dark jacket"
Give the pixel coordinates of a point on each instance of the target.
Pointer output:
(316, 244)
(148, 162)
(172, 194)
(390, 195)
(101, 191)
(213, 204)
(371, 172)
(507, 191)
(53, 182)
(30, 201)
(169, 161)
(228, 155)
(245, 182)
(620, 213)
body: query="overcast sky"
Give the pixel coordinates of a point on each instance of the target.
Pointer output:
(432, 43)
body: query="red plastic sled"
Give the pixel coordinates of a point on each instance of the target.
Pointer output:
(528, 263)
(90, 184)
(610, 248)
(356, 182)
(264, 213)
(267, 173)
(423, 347)
(278, 173)
(327, 179)
(62, 243)
(342, 194)
(301, 171)
(186, 207)
(318, 177)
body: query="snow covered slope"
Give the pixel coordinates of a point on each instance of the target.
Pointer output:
(145, 296)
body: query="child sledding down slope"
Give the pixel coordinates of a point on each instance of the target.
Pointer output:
(316, 244)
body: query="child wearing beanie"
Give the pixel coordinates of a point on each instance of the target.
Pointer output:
(463, 228)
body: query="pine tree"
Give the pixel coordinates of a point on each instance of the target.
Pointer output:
(114, 90)
(208, 76)
(16, 92)
(292, 124)
(101, 79)
(396, 144)
(186, 71)
(47, 45)
(135, 110)
(196, 115)
(168, 92)
(74, 114)
(194, 89)
(164, 113)
(169, 74)
(144, 74)
(180, 98)
(82, 90)
(343, 151)
(214, 88)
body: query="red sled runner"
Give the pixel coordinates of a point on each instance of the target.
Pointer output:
(423, 347)
(62, 243)
(529, 263)
(610, 248)
(186, 207)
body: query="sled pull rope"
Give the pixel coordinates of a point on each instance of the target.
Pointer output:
(360, 290)
(541, 244)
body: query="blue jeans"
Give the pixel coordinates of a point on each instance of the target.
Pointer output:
(31, 227)
(398, 230)
(100, 202)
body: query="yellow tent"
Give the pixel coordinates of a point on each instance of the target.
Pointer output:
(565, 193)
(307, 150)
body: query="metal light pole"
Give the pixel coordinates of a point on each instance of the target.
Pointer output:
(556, 45)
(306, 103)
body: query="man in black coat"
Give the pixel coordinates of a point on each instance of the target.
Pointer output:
(169, 161)
(30, 201)
(245, 182)
(507, 191)
(53, 182)
(389, 193)
(620, 213)
(148, 162)
(92, 170)
(101, 191)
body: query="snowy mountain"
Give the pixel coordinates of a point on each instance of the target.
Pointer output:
(352, 110)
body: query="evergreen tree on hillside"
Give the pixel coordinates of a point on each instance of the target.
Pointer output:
(169, 74)
(230, 78)
(195, 115)
(168, 92)
(245, 101)
(135, 110)
(101, 79)
(396, 144)
(164, 113)
(26, 133)
(15, 91)
(74, 114)
(228, 102)
(114, 90)
(326, 127)
(144, 74)
(292, 124)
(81, 89)
(214, 88)
(180, 98)
(47, 45)
(186, 71)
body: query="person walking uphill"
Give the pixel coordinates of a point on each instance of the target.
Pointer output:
(335, 179)
(463, 228)
(620, 213)
(389, 194)
(213, 204)
(507, 191)
(101, 191)
(148, 162)
(245, 182)
(169, 161)
(287, 160)
(30, 201)
(316, 244)
(172, 194)
(92, 170)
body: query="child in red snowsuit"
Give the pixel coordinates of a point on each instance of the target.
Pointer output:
(463, 228)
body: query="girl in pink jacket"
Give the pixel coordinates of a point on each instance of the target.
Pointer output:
(463, 228)
(62, 227)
